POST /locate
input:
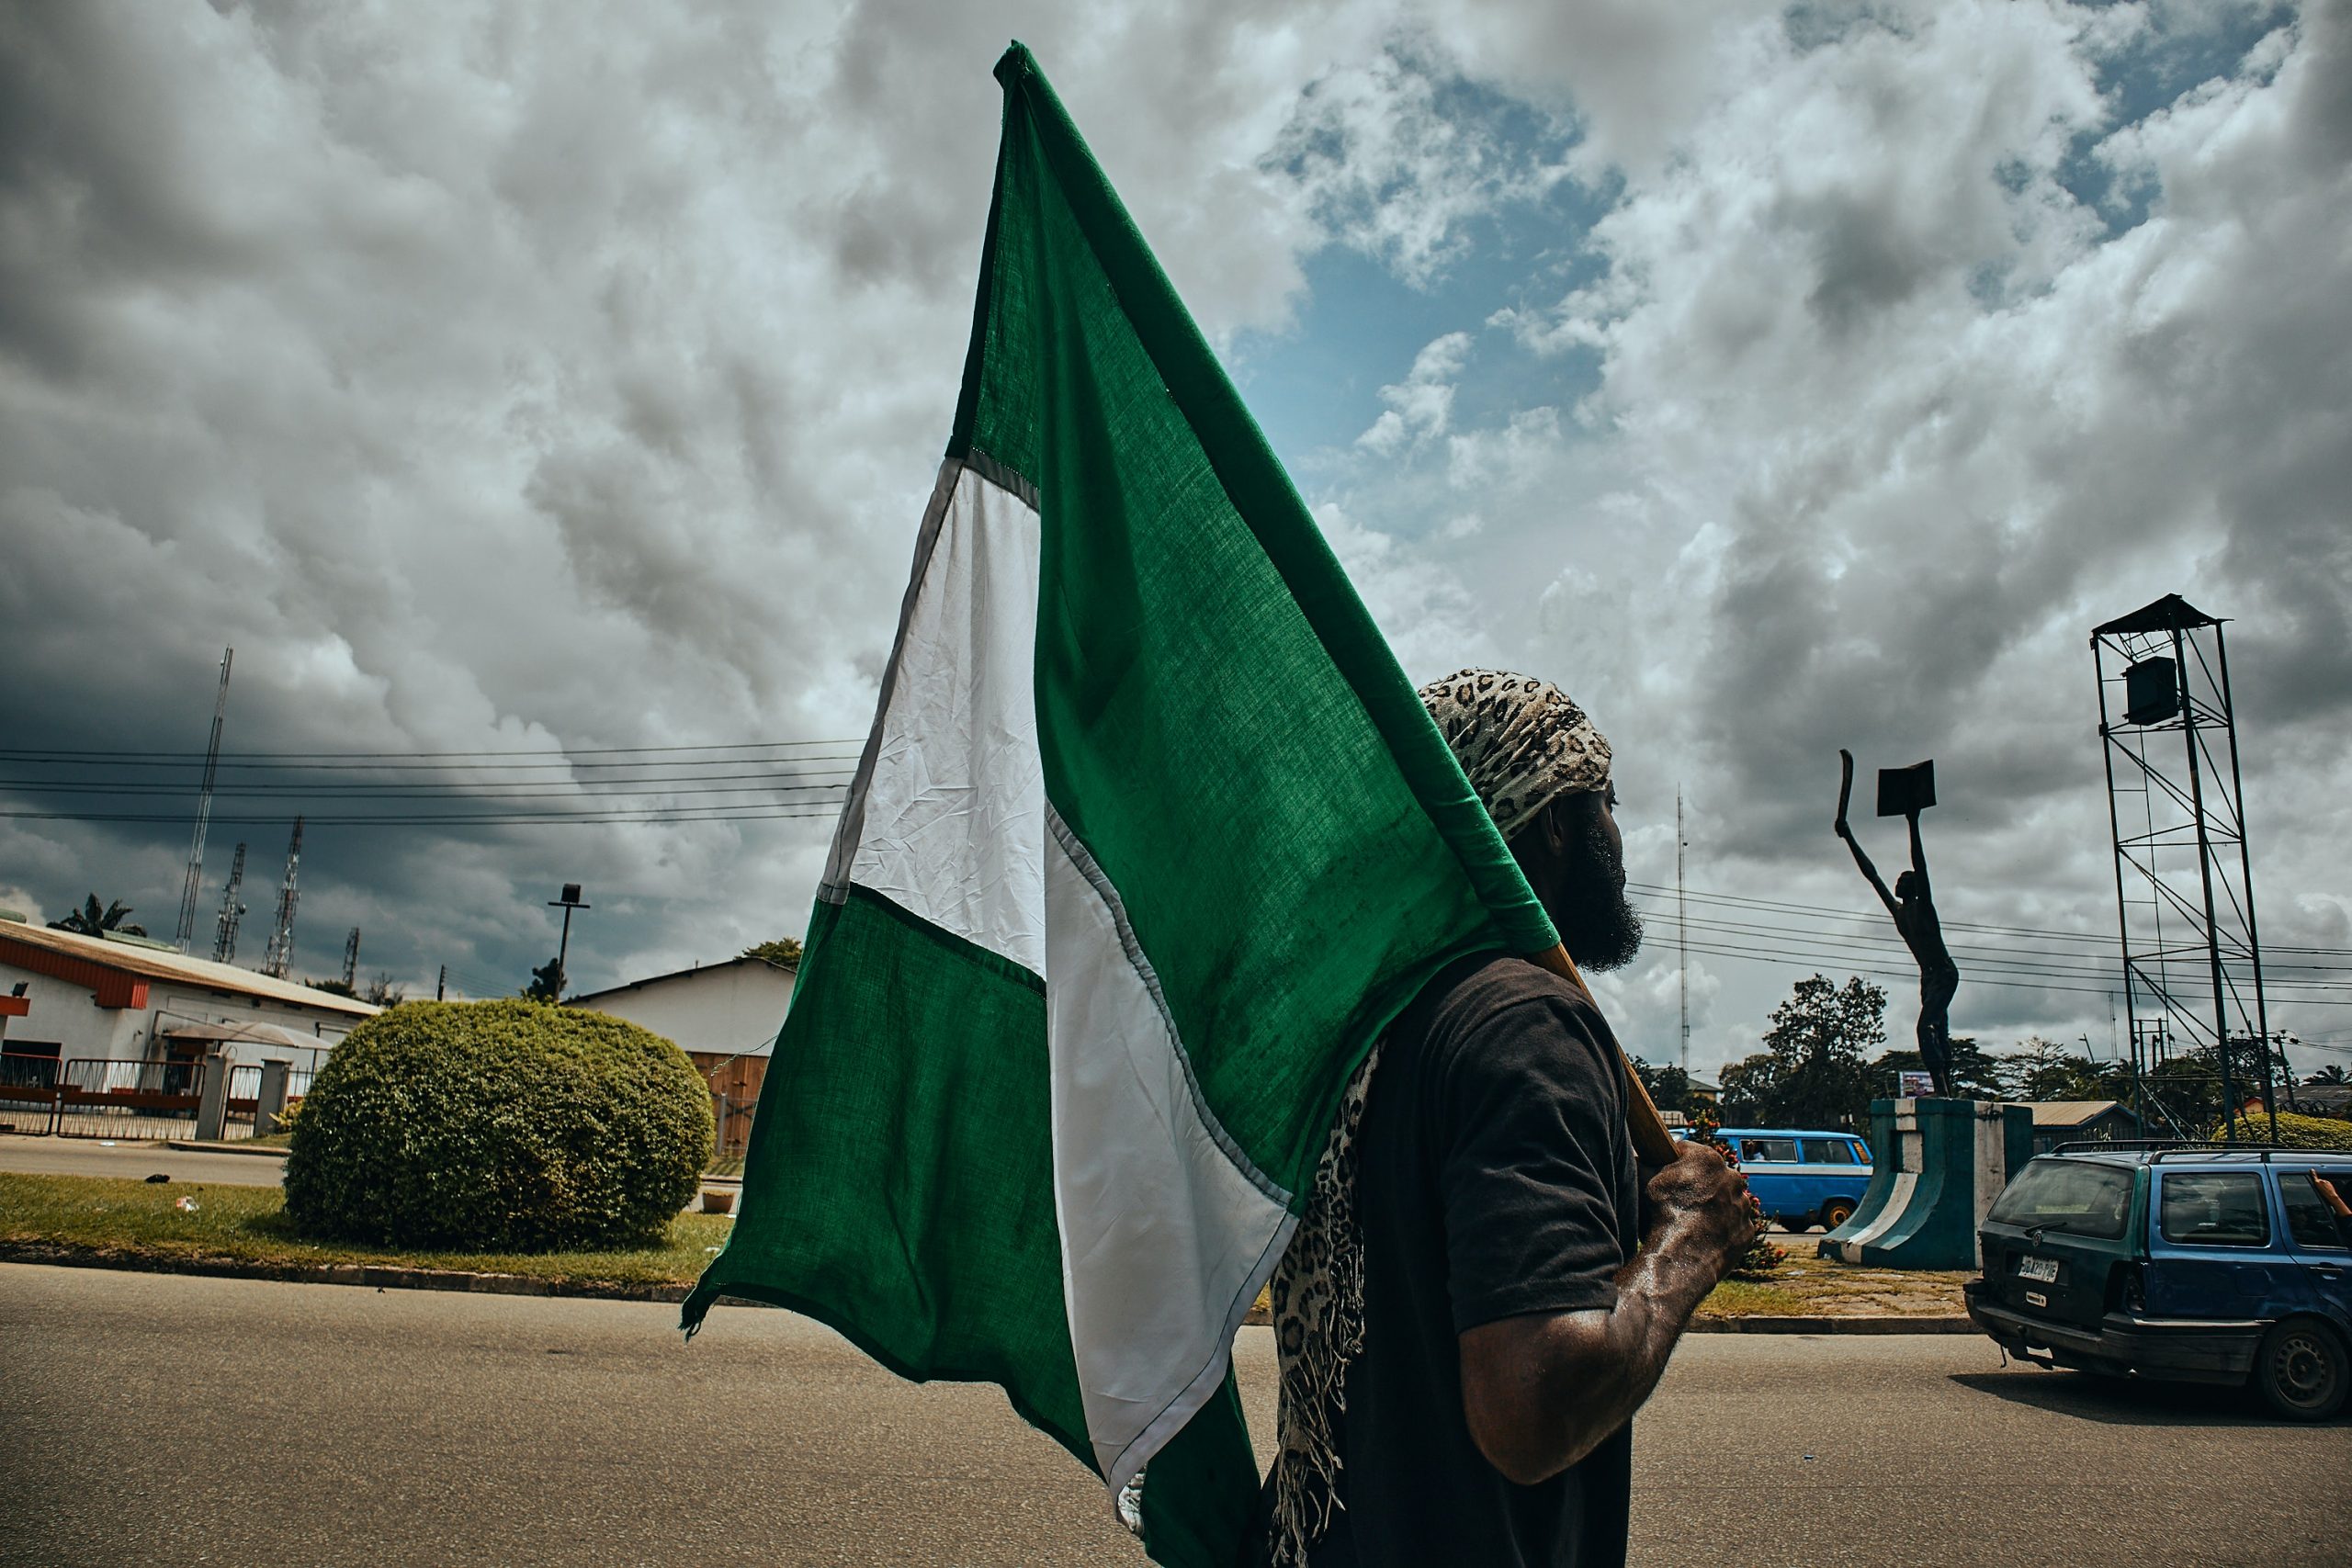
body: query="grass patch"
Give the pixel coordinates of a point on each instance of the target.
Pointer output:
(248, 1224)
(1810, 1286)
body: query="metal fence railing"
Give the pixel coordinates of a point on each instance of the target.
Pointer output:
(27, 1072)
(87, 1097)
(27, 1093)
(127, 1099)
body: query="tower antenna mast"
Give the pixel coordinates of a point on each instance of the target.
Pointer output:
(280, 957)
(232, 909)
(186, 933)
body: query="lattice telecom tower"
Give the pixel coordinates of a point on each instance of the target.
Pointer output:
(232, 909)
(2184, 882)
(186, 933)
(280, 956)
(351, 959)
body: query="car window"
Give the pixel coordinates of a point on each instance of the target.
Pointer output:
(1783, 1150)
(1828, 1151)
(2310, 1220)
(2214, 1208)
(2076, 1196)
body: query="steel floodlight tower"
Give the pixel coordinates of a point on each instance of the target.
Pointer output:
(2184, 880)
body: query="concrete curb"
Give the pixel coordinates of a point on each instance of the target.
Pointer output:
(1885, 1324)
(389, 1278)
(190, 1145)
(382, 1276)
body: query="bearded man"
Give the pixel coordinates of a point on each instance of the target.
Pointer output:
(1484, 1288)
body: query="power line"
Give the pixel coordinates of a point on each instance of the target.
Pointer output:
(681, 815)
(2020, 960)
(1875, 915)
(483, 789)
(239, 759)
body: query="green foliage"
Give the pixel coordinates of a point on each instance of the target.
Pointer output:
(2295, 1131)
(1812, 1071)
(501, 1125)
(546, 983)
(332, 989)
(91, 920)
(2044, 1069)
(1669, 1088)
(1977, 1073)
(784, 952)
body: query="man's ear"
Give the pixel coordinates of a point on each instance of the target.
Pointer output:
(1559, 824)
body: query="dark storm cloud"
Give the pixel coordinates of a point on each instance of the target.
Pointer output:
(523, 379)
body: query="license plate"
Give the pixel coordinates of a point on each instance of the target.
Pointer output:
(2043, 1268)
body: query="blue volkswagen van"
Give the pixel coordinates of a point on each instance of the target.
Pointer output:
(2200, 1264)
(1801, 1175)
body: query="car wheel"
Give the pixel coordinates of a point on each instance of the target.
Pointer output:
(2300, 1369)
(1835, 1212)
(1795, 1224)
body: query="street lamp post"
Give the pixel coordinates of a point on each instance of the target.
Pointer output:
(569, 902)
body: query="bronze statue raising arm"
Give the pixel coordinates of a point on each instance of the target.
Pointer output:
(1845, 798)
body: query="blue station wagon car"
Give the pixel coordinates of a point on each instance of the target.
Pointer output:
(2204, 1263)
(1803, 1177)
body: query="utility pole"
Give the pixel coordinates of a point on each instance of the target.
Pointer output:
(1682, 931)
(185, 932)
(232, 909)
(351, 960)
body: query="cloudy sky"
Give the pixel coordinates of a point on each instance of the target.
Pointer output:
(529, 385)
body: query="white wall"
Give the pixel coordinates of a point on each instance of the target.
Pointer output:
(62, 1010)
(731, 1009)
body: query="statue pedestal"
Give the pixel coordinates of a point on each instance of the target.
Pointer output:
(1939, 1164)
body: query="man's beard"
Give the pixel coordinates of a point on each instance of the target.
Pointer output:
(1602, 930)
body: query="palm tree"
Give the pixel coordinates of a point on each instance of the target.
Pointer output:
(2332, 1073)
(91, 920)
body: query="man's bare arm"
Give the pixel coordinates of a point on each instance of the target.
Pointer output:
(1541, 1390)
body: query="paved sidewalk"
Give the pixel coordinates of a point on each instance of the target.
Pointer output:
(134, 1161)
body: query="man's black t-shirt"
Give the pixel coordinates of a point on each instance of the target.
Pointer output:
(1495, 1178)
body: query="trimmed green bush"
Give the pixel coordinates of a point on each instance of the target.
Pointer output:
(2295, 1131)
(506, 1126)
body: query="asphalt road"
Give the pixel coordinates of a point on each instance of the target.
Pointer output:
(135, 1160)
(190, 1420)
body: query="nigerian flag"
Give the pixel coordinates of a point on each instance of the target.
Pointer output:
(1150, 840)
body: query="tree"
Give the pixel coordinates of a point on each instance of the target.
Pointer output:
(1977, 1073)
(333, 988)
(547, 982)
(1812, 1071)
(1669, 1088)
(2332, 1073)
(784, 952)
(383, 993)
(2044, 1069)
(92, 921)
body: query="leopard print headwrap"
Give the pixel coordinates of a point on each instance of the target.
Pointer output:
(1521, 740)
